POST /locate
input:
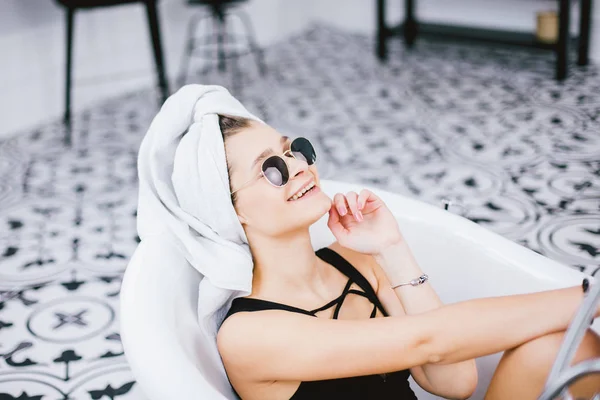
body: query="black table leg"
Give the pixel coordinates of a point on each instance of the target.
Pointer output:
(585, 16)
(68, 66)
(410, 23)
(562, 47)
(152, 13)
(381, 31)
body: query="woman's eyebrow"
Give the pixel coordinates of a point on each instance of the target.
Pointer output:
(268, 151)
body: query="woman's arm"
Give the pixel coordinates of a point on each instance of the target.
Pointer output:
(398, 265)
(464, 330)
(455, 380)
(279, 345)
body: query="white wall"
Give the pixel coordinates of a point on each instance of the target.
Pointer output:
(517, 15)
(112, 54)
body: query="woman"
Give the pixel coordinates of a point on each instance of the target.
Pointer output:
(321, 332)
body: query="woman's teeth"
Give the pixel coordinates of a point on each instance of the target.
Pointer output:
(301, 193)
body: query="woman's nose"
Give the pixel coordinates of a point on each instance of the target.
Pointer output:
(297, 166)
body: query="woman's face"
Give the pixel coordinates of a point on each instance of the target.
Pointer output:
(260, 205)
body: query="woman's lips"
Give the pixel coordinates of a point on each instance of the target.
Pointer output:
(308, 194)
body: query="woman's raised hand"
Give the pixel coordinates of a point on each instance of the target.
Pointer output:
(362, 222)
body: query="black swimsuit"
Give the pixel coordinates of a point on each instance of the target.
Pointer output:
(393, 385)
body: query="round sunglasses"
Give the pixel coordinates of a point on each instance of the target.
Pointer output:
(275, 169)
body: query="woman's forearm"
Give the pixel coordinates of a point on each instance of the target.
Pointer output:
(500, 323)
(484, 326)
(400, 266)
(401, 263)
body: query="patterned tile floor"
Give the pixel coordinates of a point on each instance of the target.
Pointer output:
(487, 127)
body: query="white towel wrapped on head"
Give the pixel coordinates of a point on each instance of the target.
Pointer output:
(184, 195)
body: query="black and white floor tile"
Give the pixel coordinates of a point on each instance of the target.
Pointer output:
(486, 127)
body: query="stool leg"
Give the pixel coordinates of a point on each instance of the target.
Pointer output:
(260, 58)
(208, 43)
(235, 70)
(152, 14)
(189, 48)
(220, 41)
(69, 64)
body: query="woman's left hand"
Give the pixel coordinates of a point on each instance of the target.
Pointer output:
(362, 222)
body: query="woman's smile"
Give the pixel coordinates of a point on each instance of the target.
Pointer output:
(310, 193)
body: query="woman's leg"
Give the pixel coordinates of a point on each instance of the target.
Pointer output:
(522, 371)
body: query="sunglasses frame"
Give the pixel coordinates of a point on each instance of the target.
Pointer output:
(261, 174)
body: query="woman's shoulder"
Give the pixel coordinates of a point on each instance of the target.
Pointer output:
(364, 263)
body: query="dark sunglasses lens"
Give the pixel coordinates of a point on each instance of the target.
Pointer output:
(276, 171)
(303, 150)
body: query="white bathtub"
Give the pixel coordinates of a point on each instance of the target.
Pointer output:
(462, 259)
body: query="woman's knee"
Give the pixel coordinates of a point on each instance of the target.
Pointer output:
(537, 356)
(523, 370)
(542, 351)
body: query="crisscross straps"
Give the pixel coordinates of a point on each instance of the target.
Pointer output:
(340, 263)
(334, 258)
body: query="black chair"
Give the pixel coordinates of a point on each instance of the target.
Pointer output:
(151, 11)
(218, 12)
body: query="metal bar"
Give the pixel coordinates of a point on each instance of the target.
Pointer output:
(572, 339)
(569, 376)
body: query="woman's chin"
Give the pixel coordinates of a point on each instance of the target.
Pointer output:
(323, 205)
(316, 203)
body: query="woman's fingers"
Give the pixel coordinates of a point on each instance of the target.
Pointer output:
(362, 198)
(340, 204)
(352, 198)
(334, 223)
(368, 201)
(349, 202)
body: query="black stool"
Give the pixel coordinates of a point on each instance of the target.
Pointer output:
(219, 10)
(151, 11)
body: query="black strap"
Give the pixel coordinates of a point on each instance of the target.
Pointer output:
(331, 257)
(334, 258)
(339, 300)
(252, 304)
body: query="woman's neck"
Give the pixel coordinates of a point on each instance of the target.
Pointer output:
(286, 264)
